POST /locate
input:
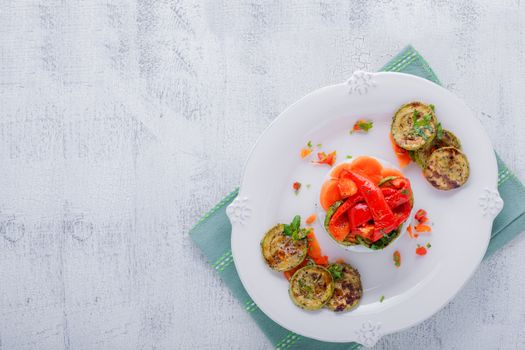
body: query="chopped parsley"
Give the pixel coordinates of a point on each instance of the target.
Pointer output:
(319, 145)
(432, 107)
(305, 287)
(429, 245)
(308, 186)
(404, 191)
(348, 157)
(422, 124)
(309, 144)
(382, 298)
(336, 270)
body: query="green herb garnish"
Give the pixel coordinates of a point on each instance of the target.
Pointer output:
(305, 287)
(382, 298)
(404, 191)
(336, 271)
(294, 229)
(309, 144)
(348, 157)
(439, 131)
(429, 245)
(293, 226)
(420, 125)
(432, 107)
(319, 145)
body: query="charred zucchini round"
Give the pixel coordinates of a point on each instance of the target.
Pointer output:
(414, 126)
(447, 139)
(282, 252)
(447, 168)
(347, 288)
(311, 287)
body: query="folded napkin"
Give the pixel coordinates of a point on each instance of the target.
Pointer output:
(212, 233)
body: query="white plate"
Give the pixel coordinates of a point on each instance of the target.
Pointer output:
(422, 285)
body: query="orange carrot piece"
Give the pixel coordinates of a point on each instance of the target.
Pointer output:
(391, 172)
(288, 274)
(347, 187)
(336, 172)
(369, 167)
(311, 219)
(314, 250)
(403, 158)
(423, 228)
(305, 152)
(409, 230)
(329, 194)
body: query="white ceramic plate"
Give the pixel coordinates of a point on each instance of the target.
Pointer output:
(462, 219)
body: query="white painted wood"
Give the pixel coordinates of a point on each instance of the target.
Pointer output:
(123, 122)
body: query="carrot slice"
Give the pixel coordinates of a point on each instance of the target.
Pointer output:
(288, 274)
(329, 194)
(409, 230)
(390, 172)
(310, 220)
(314, 250)
(403, 158)
(347, 187)
(423, 228)
(369, 167)
(336, 172)
(305, 152)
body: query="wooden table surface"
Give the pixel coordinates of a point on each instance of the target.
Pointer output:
(122, 122)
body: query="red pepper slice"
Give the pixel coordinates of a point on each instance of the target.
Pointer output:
(381, 213)
(420, 214)
(360, 213)
(339, 225)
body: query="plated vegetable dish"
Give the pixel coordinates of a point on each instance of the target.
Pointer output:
(366, 204)
(369, 203)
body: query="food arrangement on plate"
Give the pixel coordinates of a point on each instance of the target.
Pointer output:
(397, 200)
(366, 204)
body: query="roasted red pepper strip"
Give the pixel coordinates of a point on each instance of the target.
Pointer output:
(339, 225)
(381, 213)
(360, 213)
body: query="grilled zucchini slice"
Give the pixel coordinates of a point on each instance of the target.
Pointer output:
(447, 168)
(448, 139)
(414, 125)
(347, 290)
(311, 287)
(282, 252)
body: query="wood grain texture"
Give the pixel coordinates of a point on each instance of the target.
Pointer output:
(122, 122)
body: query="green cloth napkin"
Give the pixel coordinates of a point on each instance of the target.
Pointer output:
(212, 233)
